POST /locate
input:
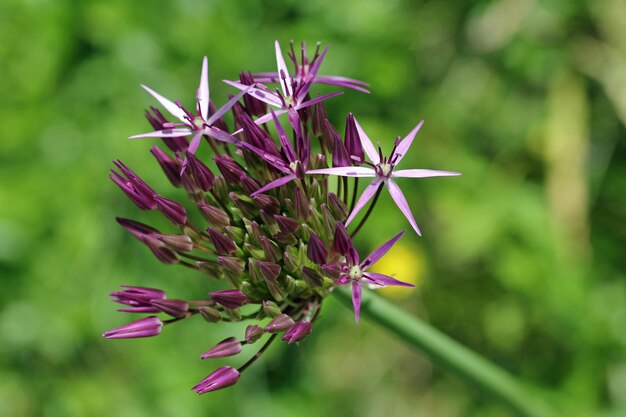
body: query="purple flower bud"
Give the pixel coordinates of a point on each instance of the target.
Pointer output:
(316, 251)
(247, 208)
(342, 244)
(229, 298)
(138, 191)
(236, 234)
(230, 169)
(211, 269)
(170, 166)
(223, 377)
(210, 314)
(253, 333)
(230, 265)
(148, 235)
(182, 243)
(202, 176)
(138, 298)
(223, 244)
(145, 327)
(175, 308)
(290, 262)
(215, 215)
(271, 250)
(319, 116)
(158, 122)
(227, 347)
(172, 210)
(297, 333)
(280, 323)
(254, 106)
(268, 203)
(353, 143)
(286, 224)
(332, 270)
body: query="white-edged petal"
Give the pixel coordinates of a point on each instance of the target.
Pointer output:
(345, 171)
(170, 106)
(367, 144)
(422, 173)
(203, 90)
(165, 133)
(405, 144)
(402, 204)
(283, 73)
(367, 195)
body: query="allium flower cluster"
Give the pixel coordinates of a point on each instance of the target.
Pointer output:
(275, 224)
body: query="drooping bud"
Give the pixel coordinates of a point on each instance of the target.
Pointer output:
(170, 166)
(181, 243)
(138, 298)
(223, 377)
(280, 323)
(271, 309)
(253, 333)
(145, 327)
(223, 244)
(202, 176)
(227, 347)
(298, 332)
(172, 210)
(216, 216)
(210, 314)
(316, 251)
(353, 143)
(313, 278)
(229, 298)
(138, 191)
(175, 308)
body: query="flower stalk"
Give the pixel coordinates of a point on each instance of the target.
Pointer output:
(450, 354)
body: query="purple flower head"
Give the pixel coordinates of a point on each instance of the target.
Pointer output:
(199, 124)
(223, 377)
(146, 327)
(382, 169)
(355, 272)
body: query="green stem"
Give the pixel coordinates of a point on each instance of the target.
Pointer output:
(449, 354)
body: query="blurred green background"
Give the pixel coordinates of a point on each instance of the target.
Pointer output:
(522, 257)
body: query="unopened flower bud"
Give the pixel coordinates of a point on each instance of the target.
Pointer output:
(280, 323)
(138, 298)
(216, 216)
(353, 142)
(229, 298)
(181, 243)
(316, 251)
(254, 333)
(272, 251)
(210, 314)
(172, 210)
(237, 234)
(175, 308)
(286, 224)
(223, 244)
(227, 347)
(313, 278)
(201, 175)
(223, 377)
(297, 333)
(271, 309)
(169, 165)
(337, 208)
(211, 269)
(145, 327)
(291, 262)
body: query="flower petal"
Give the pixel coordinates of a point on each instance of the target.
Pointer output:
(203, 90)
(367, 144)
(423, 173)
(285, 79)
(230, 103)
(367, 195)
(165, 133)
(266, 96)
(356, 299)
(274, 184)
(385, 280)
(402, 204)
(170, 106)
(405, 144)
(266, 118)
(317, 100)
(373, 257)
(345, 171)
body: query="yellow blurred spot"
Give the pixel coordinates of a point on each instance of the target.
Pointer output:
(404, 262)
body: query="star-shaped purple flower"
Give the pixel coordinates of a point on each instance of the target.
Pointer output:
(355, 272)
(382, 169)
(293, 90)
(198, 124)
